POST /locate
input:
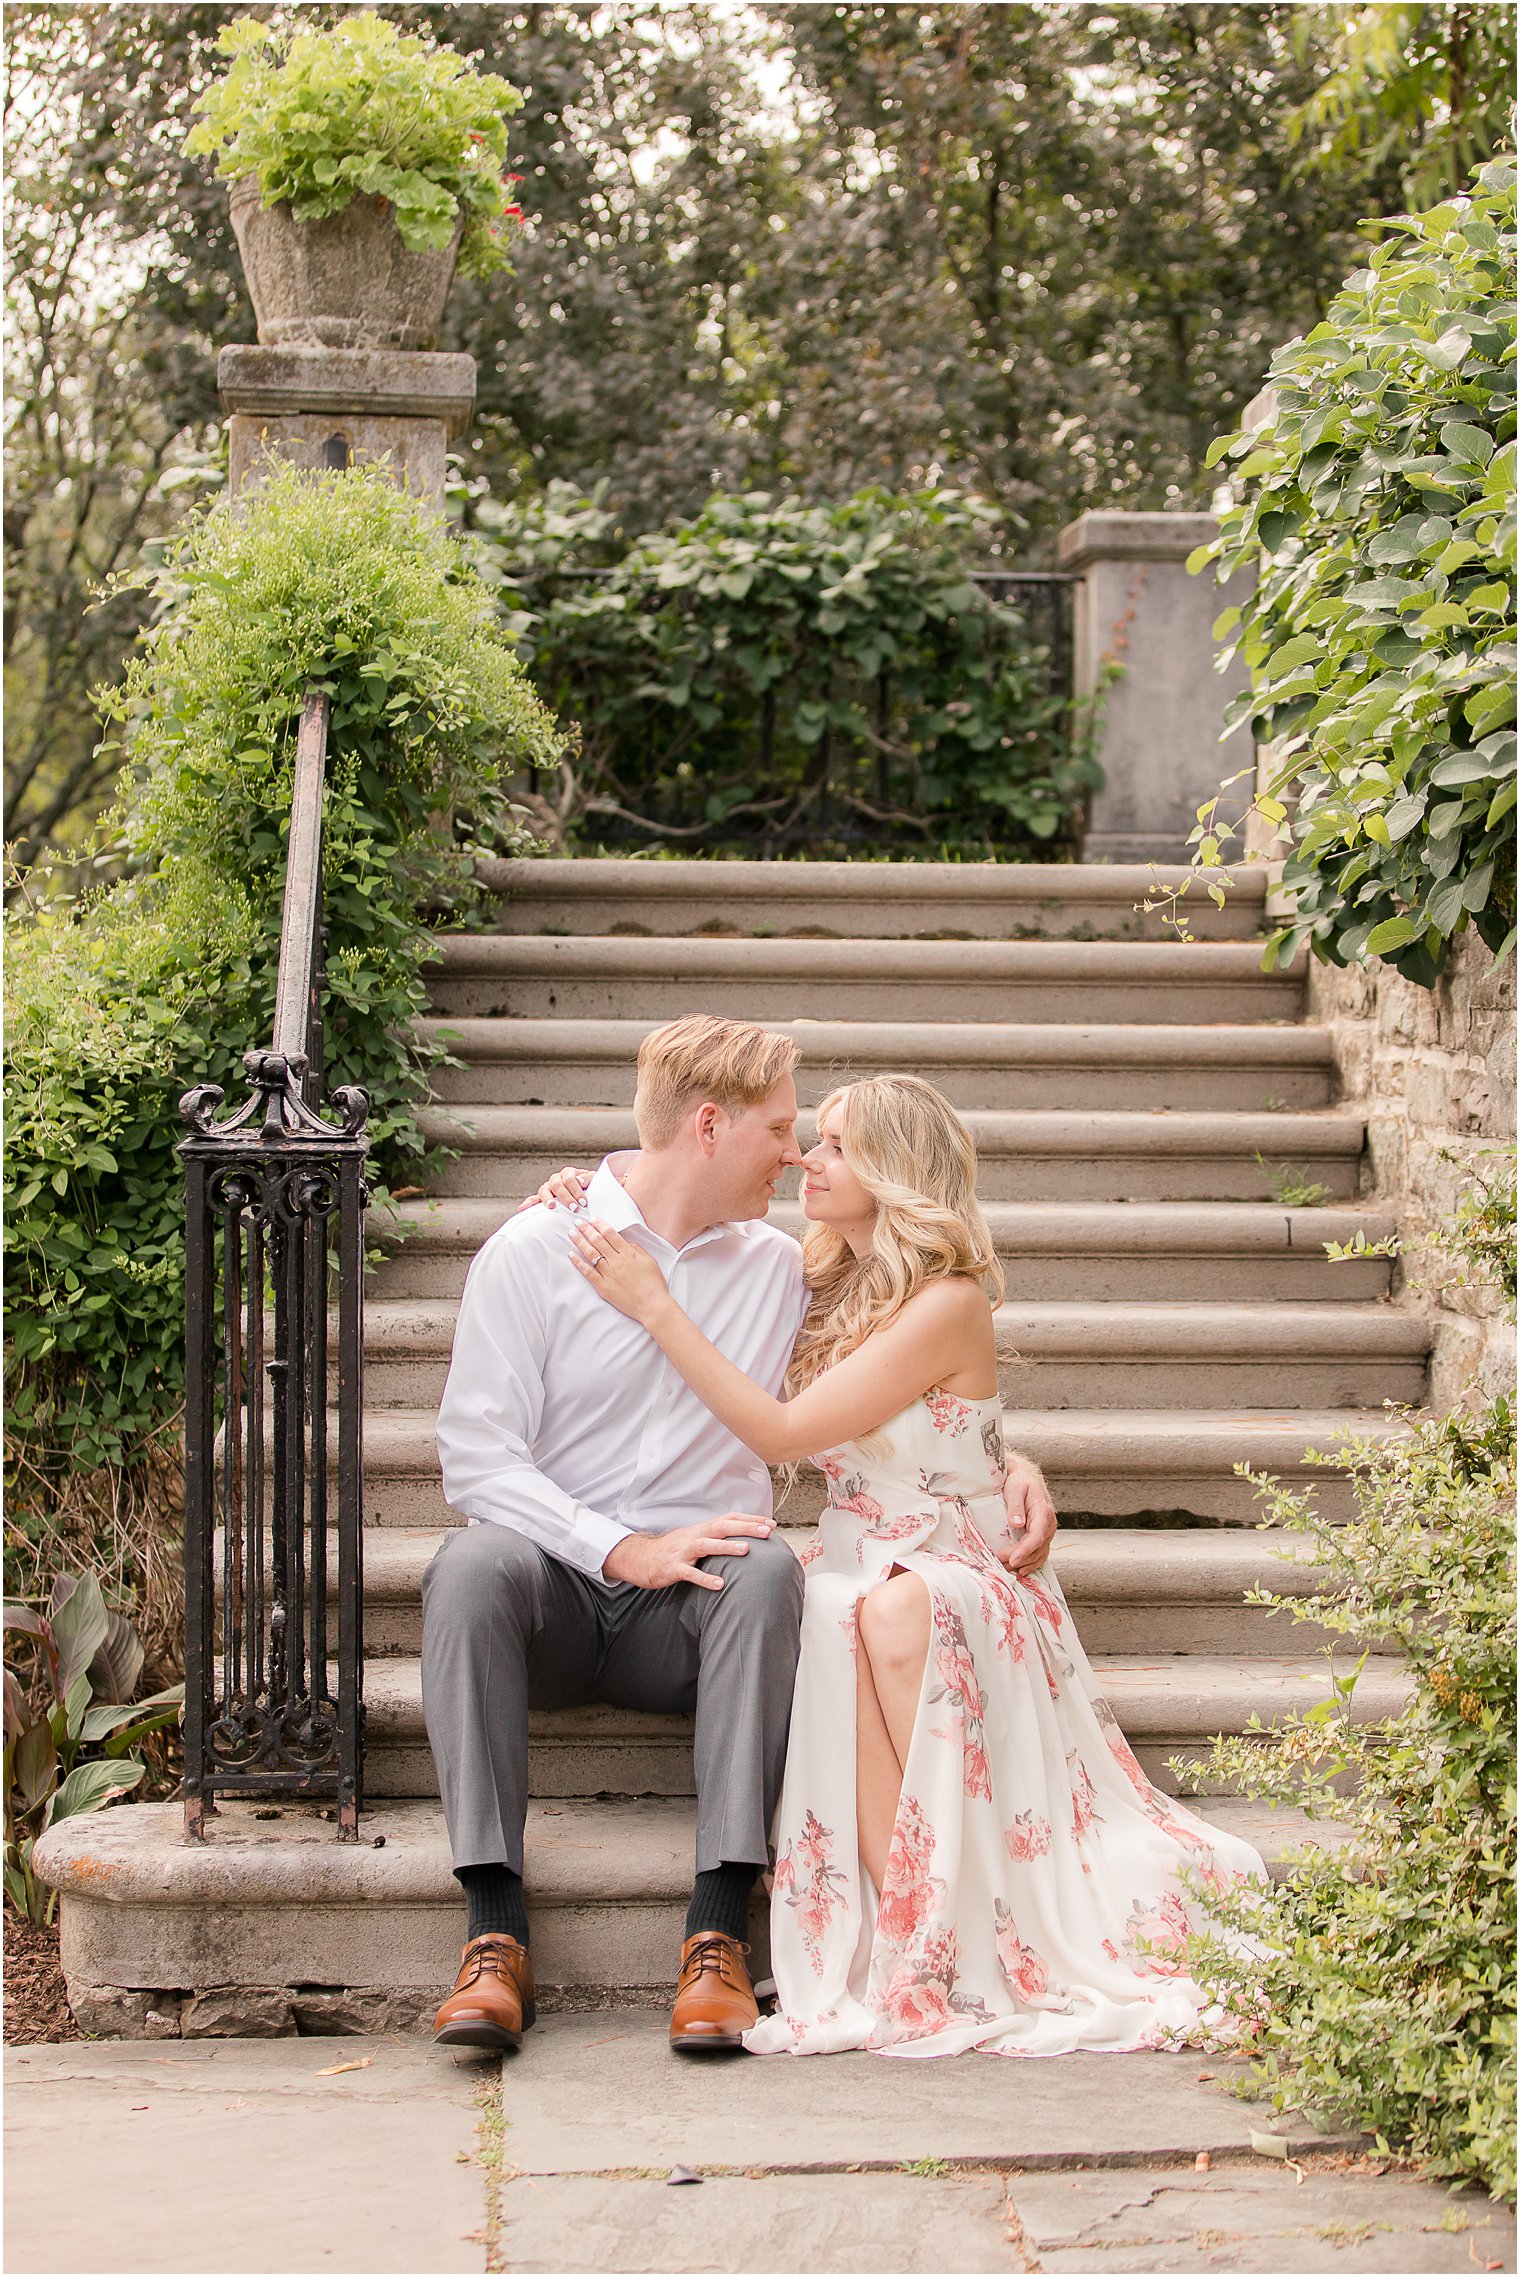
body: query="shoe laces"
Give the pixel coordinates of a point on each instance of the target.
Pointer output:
(717, 1952)
(493, 1958)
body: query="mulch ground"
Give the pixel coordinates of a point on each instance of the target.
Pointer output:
(36, 2004)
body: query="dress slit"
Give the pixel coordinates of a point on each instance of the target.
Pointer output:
(1034, 1900)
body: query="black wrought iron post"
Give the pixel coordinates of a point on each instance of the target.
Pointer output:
(274, 1261)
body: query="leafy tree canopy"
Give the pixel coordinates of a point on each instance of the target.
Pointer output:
(1039, 253)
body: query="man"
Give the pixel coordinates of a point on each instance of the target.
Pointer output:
(599, 1490)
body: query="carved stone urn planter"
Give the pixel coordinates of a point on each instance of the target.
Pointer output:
(346, 282)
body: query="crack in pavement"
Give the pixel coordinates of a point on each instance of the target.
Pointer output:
(491, 2136)
(1014, 2231)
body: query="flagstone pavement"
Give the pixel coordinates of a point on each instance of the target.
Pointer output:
(595, 2149)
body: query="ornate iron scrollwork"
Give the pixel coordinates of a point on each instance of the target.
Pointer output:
(274, 1393)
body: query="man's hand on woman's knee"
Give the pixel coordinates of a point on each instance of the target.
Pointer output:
(1031, 1517)
(658, 1561)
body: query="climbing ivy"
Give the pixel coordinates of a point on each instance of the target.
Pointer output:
(1376, 506)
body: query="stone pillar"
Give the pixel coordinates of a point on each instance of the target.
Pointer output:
(1158, 740)
(339, 407)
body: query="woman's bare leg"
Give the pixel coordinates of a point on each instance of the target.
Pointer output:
(878, 1775)
(892, 1640)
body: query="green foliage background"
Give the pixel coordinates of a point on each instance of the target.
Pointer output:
(119, 1001)
(1378, 499)
(1039, 254)
(773, 676)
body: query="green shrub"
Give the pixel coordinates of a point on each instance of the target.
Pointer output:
(793, 677)
(119, 1001)
(1377, 507)
(321, 118)
(1381, 1984)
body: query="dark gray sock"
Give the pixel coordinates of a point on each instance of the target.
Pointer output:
(720, 1901)
(493, 1898)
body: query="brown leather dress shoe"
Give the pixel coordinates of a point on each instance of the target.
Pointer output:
(491, 2005)
(714, 1999)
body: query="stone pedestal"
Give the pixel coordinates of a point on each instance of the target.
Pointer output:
(339, 407)
(1158, 741)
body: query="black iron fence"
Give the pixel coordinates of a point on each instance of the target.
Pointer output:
(274, 1300)
(1045, 595)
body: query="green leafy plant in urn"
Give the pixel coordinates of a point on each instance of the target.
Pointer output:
(365, 166)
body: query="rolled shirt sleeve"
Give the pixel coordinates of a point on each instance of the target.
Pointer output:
(490, 1413)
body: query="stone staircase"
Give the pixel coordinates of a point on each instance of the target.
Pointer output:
(1162, 1160)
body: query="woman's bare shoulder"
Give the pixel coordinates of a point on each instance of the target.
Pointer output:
(947, 1302)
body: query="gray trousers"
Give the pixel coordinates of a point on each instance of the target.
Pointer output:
(506, 1628)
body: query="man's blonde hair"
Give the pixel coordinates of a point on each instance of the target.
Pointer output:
(701, 1057)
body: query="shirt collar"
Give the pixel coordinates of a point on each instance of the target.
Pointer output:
(608, 1199)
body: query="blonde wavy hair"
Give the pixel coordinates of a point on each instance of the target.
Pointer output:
(915, 1158)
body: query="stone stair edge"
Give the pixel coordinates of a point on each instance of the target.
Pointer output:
(583, 876)
(601, 1850)
(969, 1043)
(1215, 1564)
(407, 1327)
(1184, 1697)
(1338, 1131)
(1162, 1440)
(710, 955)
(461, 1224)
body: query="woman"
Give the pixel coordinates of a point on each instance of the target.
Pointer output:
(968, 1855)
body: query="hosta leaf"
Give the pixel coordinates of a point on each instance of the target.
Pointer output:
(80, 1622)
(34, 1767)
(116, 1666)
(115, 1716)
(89, 1785)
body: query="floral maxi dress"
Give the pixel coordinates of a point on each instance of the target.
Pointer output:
(1033, 1901)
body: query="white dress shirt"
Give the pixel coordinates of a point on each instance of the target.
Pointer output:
(564, 1419)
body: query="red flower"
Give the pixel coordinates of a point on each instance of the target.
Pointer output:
(1124, 1755)
(1028, 1837)
(1026, 1971)
(946, 1412)
(910, 1893)
(1044, 1604)
(1162, 1928)
(811, 1884)
(1083, 1796)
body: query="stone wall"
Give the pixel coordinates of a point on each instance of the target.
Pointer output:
(1434, 1071)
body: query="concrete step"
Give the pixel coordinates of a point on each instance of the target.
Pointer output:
(590, 1063)
(279, 1902)
(1130, 1590)
(1166, 1468)
(995, 901)
(1209, 1355)
(1167, 1704)
(1070, 1355)
(505, 1152)
(1169, 1466)
(1169, 1252)
(614, 977)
